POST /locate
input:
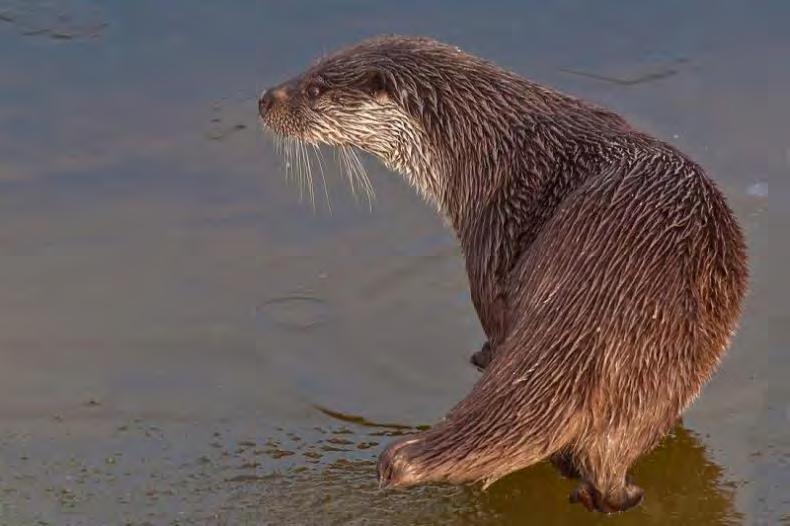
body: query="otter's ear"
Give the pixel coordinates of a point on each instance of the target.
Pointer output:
(378, 85)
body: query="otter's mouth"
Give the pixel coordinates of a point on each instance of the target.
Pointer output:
(295, 141)
(280, 110)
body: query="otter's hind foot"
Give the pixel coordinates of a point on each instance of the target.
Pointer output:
(627, 497)
(483, 357)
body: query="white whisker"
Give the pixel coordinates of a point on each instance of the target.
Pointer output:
(363, 174)
(357, 174)
(319, 158)
(308, 172)
(342, 156)
(299, 169)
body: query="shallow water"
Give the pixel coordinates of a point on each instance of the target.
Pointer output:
(182, 341)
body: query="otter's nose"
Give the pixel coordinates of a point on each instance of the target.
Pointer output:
(268, 99)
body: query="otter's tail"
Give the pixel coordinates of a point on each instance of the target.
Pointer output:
(515, 416)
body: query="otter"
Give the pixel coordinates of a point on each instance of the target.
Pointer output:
(606, 267)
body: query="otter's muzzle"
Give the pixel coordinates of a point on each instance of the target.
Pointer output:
(270, 97)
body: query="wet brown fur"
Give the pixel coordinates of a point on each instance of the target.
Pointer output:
(606, 268)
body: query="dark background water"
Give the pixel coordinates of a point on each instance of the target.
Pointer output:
(173, 319)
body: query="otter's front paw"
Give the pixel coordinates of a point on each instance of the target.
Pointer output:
(483, 357)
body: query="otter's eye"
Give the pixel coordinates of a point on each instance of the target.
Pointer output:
(313, 91)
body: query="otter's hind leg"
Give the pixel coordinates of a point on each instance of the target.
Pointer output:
(603, 462)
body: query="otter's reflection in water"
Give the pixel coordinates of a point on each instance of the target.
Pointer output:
(683, 486)
(680, 481)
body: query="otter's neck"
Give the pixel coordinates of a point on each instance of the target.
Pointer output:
(473, 138)
(474, 180)
(497, 169)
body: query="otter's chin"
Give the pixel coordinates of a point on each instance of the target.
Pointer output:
(399, 465)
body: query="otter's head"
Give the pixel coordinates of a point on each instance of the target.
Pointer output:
(400, 99)
(344, 100)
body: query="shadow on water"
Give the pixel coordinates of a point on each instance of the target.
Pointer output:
(54, 20)
(362, 421)
(682, 486)
(658, 73)
(324, 475)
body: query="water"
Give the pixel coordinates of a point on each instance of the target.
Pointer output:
(182, 341)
